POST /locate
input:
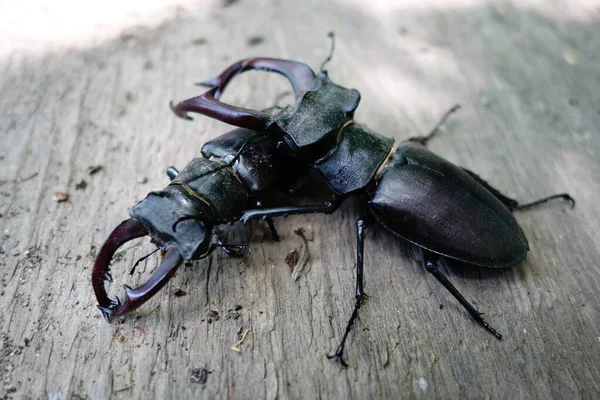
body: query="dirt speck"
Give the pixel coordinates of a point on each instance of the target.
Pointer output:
(200, 41)
(93, 169)
(232, 315)
(255, 41)
(227, 3)
(212, 315)
(81, 185)
(60, 197)
(292, 258)
(199, 375)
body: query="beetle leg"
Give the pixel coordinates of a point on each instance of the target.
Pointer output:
(431, 267)
(172, 173)
(271, 224)
(424, 139)
(326, 208)
(564, 196)
(512, 204)
(234, 250)
(300, 75)
(360, 295)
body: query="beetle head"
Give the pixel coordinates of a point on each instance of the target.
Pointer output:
(320, 109)
(176, 224)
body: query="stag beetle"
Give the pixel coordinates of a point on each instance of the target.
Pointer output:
(181, 218)
(444, 210)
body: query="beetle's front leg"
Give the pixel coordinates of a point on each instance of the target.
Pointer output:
(234, 250)
(264, 213)
(360, 295)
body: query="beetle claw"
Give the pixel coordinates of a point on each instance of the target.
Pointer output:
(209, 104)
(338, 355)
(135, 297)
(106, 312)
(126, 231)
(210, 83)
(180, 113)
(301, 77)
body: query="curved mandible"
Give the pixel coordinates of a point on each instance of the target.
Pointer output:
(138, 296)
(207, 104)
(300, 75)
(128, 230)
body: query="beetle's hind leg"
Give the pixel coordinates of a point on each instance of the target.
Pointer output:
(513, 204)
(436, 129)
(431, 267)
(360, 295)
(564, 196)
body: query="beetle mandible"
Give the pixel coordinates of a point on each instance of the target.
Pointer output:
(445, 210)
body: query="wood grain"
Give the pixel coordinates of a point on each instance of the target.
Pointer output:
(527, 77)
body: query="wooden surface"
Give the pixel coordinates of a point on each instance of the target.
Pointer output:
(85, 86)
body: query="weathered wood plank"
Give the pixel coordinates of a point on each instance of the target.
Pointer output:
(527, 77)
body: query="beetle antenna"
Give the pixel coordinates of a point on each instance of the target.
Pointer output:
(140, 260)
(330, 35)
(279, 97)
(248, 144)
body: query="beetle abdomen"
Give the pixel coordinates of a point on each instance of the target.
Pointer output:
(436, 205)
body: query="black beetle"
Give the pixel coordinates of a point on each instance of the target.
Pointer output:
(445, 210)
(181, 218)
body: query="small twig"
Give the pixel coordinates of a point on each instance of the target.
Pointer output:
(236, 346)
(303, 258)
(20, 180)
(26, 179)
